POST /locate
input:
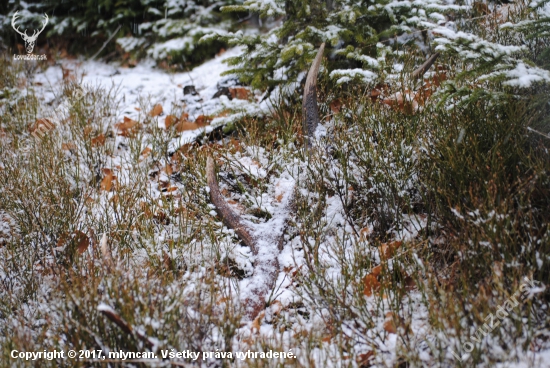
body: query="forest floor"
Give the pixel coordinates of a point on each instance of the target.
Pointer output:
(406, 236)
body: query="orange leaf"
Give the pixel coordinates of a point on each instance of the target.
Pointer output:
(184, 116)
(239, 93)
(371, 284)
(185, 125)
(146, 151)
(257, 321)
(387, 250)
(68, 146)
(363, 359)
(157, 110)
(389, 324)
(376, 271)
(126, 124)
(170, 120)
(107, 182)
(203, 120)
(99, 140)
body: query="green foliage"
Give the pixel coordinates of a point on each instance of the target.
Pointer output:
(167, 30)
(352, 30)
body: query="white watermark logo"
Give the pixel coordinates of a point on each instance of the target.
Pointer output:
(29, 40)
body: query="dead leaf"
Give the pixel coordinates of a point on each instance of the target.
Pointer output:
(82, 241)
(409, 283)
(387, 250)
(68, 146)
(145, 152)
(376, 271)
(371, 285)
(183, 126)
(257, 322)
(107, 182)
(364, 233)
(156, 111)
(389, 323)
(126, 124)
(98, 141)
(363, 359)
(167, 261)
(336, 106)
(221, 52)
(87, 131)
(170, 120)
(239, 93)
(203, 120)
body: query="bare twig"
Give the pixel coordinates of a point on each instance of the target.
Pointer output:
(419, 72)
(310, 111)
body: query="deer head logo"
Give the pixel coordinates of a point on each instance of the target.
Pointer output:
(29, 40)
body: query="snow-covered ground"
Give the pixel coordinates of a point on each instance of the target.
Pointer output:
(147, 83)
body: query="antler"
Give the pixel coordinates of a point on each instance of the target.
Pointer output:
(419, 72)
(13, 19)
(310, 111)
(230, 218)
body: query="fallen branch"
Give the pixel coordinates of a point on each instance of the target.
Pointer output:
(422, 69)
(310, 111)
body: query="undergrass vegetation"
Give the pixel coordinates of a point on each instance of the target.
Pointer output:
(403, 229)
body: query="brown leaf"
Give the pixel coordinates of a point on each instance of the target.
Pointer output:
(183, 126)
(239, 93)
(371, 285)
(87, 131)
(257, 322)
(203, 120)
(82, 241)
(336, 105)
(387, 250)
(126, 124)
(389, 323)
(99, 140)
(376, 271)
(145, 152)
(167, 261)
(68, 146)
(364, 359)
(107, 182)
(364, 233)
(170, 120)
(184, 116)
(156, 111)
